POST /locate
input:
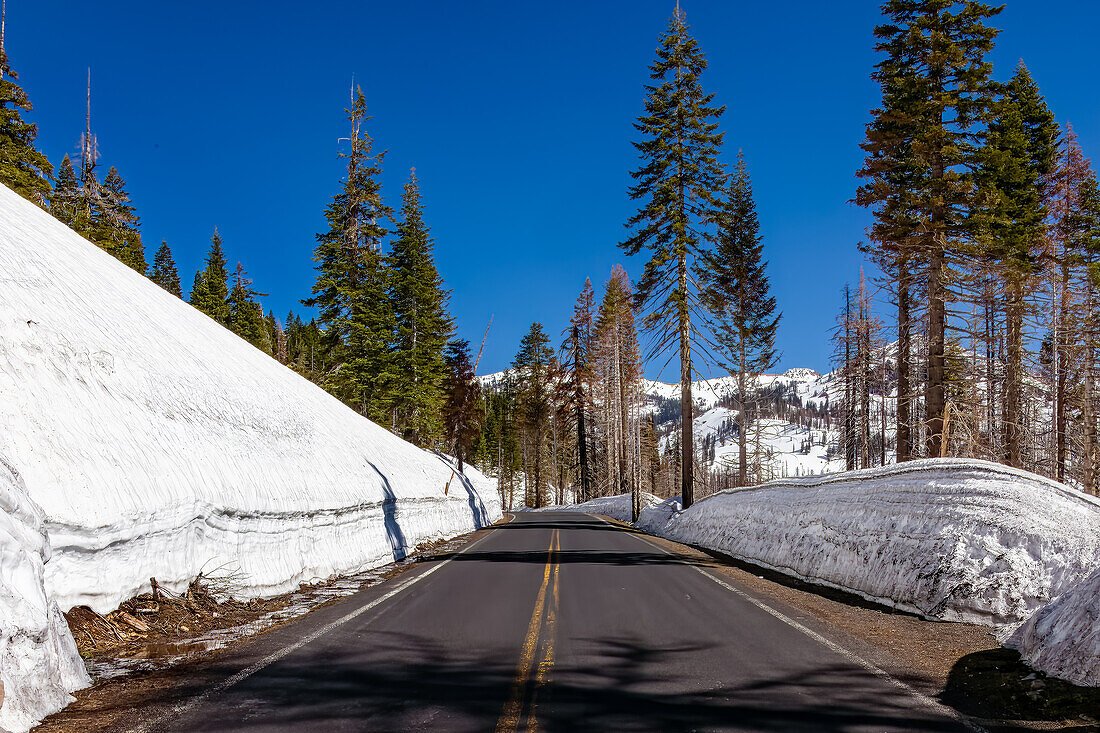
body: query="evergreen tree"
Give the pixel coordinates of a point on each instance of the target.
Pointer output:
(65, 197)
(736, 293)
(1019, 154)
(578, 345)
(423, 325)
(211, 291)
(532, 365)
(462, 412)
(164, 271)
(352, 286)
(246, 316)
(678, 181)
(23, 168)
(935, 88)
(117, 227)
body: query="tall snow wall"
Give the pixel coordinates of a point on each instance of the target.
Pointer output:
(159, 444)
(953, 539)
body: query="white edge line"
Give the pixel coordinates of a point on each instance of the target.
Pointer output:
(183, 707)
(925, 700)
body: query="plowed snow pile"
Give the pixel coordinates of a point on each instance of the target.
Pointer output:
(39, 664)
(952, 539)
(616, 507)
(157, 443)
(1063, 638)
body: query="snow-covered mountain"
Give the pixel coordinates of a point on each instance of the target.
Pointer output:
(149, 441)
(789, 448)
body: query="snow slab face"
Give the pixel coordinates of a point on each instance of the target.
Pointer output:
(1063, 638)
(654, 518)
(160, 445)
(39, 663)
(953, 539)
(616, 507)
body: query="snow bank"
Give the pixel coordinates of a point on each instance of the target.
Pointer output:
(952, 539)
(39, 664)
(616, 507)
(1063, 638)
(654, 518)
(158, 444)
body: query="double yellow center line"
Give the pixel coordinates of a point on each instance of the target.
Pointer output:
(539, 642)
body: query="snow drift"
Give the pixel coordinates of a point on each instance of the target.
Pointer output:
(1063, 638)
(39, 664)
(952, 539)
(159, 444)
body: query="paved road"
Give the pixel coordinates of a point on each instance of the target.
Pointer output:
(559, 622)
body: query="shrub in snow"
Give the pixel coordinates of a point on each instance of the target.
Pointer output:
(950, 539)
(39, 664)
(1063, 637)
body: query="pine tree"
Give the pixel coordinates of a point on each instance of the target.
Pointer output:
(679, 181)
(118, 226)
(736, 294)
(462, 412)
(617, 370)
(23, 168)
(164, 271)
(246, 316)
(533, 365)
(211, 291)
(578, 347)
(1019, 154)
(352, 286)
(65, 197)
(935, 87)
(419, 304)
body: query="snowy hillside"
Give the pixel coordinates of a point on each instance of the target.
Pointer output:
(952, 539)
(1063, 638)
(787, 449)
(159, 444)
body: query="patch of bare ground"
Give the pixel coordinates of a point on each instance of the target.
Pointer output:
(160, 646)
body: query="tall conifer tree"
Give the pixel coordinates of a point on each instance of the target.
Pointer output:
(679, 183)
(246, 316)
(23, 168)
(164, 271)
(737, 294)
(423, 325)
(920, 142)
(532, 364)
(65, 196)
(352, 286)
(1018, 156)
(211, 292)
(118, 228)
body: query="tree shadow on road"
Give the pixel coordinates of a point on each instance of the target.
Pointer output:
(395, 682)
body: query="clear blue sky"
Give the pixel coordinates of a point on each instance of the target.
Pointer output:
(516, 115)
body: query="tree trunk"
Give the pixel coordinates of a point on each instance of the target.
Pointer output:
(935, 397)
(902, 414)
(1013, 417)
(687, 405)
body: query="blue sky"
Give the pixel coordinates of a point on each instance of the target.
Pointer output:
(516, 115)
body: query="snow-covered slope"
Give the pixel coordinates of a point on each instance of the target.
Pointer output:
(158, 444)
(39, 664)
(1063, 638)
(947, 538)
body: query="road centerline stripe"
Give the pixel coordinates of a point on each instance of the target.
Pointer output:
(513, 709)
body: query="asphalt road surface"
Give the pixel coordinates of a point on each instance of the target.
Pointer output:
(556, 622)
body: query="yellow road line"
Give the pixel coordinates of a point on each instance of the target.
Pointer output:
(510, 716)
(547, 660)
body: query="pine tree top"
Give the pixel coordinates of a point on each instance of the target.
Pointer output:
(22, 167)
